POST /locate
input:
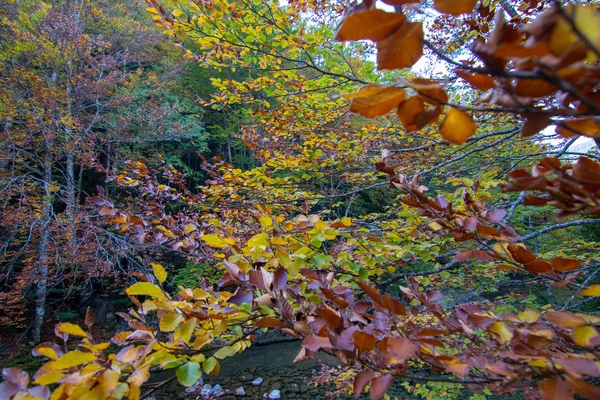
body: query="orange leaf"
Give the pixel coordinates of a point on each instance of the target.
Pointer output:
(565, 264)
(373, 100)
(408, 111)
(586, 127)
(372, 24)
(402, 49)
(478, 81)
(455, 7)
(555, 389)
(363, 341)
(457, 127)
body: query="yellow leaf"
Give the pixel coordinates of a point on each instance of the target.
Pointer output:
(214, 241)
(586, 20)
(186, 330)
(265, 221)
(591, 291)
(49, 378)
(109, 380)
(189, 228)
(71, 329)
(583, 335)
(529, 316)
(159, 272)
(346, 221)
(500, 329)
(152, 10)
(170, 321)
(145, 289)
(72, 359)
(457, 127)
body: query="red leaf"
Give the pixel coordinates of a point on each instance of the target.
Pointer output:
(315, 343)
(380, 385)
(363, 341)
(361, 380)
(555, 389)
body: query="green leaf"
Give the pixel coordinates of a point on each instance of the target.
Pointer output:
(188, 374)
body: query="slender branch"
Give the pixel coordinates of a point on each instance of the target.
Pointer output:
(560, 226)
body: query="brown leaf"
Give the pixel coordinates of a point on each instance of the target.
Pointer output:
(587, 172)
(467, 255)
(363, 341)
(269, 322)
(399, 349)
(455, 7)
(408, 111)
(315, 343)
(89, 317)
(373, 100)
(431, 91)
(555, 388)
(361, 380)
(372, 24)
(565, 264)
(370, 290)
(402, 49)
(329, 316)
(380, 385)
(584, 389)
(534, 88)
(534, 123)
(538, 267)
(586, 127)
(478, 81)
(457, 127)
(564, 318)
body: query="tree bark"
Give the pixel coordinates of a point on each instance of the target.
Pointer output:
(42, 270)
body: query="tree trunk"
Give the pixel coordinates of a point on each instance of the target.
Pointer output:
(42, 270)
(71, 206)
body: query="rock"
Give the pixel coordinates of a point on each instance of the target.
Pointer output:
(239, 391)
(257, 382)
(276, 385)
(246, 377)
(228, 398)
(303, 388)
(194, 388)
(274, 395)
(180, 395)
(252, 370)
(294, 388)
(206, 390)
(217, 390)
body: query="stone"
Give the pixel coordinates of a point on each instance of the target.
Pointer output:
(294, 388)
(303, 388)
(239, 391)
(257, 382)
(206, 390)
(228, 398)
(217, 390)
(194, 388)
(274, 395)
(246, 377)
(276, 385)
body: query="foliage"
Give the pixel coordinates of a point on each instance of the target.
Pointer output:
(291, 262)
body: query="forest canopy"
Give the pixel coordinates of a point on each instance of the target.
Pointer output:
(412, 187)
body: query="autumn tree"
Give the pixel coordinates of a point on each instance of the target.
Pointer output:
(510, 71)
